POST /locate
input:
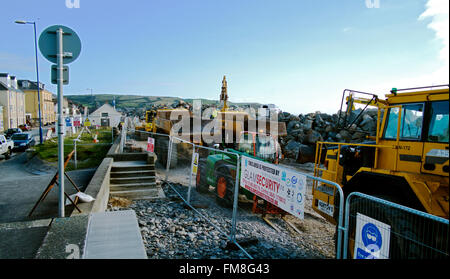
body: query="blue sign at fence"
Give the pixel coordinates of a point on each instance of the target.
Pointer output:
(68, 122)
(372, 238)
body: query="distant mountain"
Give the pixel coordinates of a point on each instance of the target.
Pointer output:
(135, 102)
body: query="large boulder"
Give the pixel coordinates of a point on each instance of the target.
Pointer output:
(306, 154)
(291, 149)
(313, 136)
(293, 125)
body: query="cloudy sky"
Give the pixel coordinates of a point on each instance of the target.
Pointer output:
(297, 54)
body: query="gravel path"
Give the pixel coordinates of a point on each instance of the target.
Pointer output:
(171, 230)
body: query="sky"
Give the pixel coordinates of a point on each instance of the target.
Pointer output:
(297, 54)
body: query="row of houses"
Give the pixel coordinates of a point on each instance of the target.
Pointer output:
(19, 105)
(19, 102)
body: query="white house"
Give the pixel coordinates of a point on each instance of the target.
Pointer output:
(13, 101)
(105, 116)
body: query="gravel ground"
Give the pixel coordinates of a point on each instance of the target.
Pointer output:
(172, 230)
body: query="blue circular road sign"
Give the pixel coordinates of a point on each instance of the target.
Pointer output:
(48, 44)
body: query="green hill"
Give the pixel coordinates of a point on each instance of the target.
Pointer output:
(135, 102)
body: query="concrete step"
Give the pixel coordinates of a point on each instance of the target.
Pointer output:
(135, 173)
(114, 235)
(144, 194)
(131, 180)
(132, 186)
(133, 168)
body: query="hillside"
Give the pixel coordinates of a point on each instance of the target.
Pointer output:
(135, 102)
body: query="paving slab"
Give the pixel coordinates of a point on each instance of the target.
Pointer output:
(21, 240)
(65, 238)
(114, 235)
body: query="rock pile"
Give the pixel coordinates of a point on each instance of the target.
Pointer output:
(171, 231)
(303, 131)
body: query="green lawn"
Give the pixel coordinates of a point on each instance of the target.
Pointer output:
(89, 154)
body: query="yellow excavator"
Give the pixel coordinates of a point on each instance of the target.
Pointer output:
(232, 124)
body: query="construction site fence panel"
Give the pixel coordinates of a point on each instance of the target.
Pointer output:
(202, 175)
(215, 175)
(88, 145)
(380, 229)
(156, 143)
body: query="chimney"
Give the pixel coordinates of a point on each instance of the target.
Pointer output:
(14, 82)
(6, 79)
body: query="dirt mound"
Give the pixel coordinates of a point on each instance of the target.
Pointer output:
(119, 202)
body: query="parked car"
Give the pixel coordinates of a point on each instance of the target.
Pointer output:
(12, 131)
(6, 147)
(22, 141)
(25, 127)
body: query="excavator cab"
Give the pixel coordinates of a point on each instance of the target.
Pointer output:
(259, 145)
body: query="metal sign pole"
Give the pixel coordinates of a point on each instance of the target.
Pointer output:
(52, 48)
(190, 175)
(169, 154)
(235, 200)
(59, 47)
(75, 153)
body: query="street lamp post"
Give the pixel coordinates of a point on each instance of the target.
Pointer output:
(37, 76)
(92, 97)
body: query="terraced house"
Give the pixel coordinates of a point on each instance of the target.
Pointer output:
(13, 101)
(32, 102)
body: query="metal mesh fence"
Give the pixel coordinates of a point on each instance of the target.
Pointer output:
(285, 216)
(381, 229)
(156, 143)
(206, 179)
(90, 147)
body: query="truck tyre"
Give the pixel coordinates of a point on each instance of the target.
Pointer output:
(224, 187)
(201, 184)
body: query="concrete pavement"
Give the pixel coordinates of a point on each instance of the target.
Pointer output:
(20, 189)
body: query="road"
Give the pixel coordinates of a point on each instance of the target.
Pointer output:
(20, 188)
(35, 132)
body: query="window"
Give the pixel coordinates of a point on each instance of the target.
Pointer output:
(265, 147)
(246, 144)
(438, 131)
(410, 125)
(19, 137)
(104, 114)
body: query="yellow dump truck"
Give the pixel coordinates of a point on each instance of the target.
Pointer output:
(408, 161)
(230, 124)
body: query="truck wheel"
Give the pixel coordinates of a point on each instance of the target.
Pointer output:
(224, 187)
(201, 185)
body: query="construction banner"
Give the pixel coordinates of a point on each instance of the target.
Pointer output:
(87, 122)
(150, 144)
(282, 187)
(76, 121)
(195, 164)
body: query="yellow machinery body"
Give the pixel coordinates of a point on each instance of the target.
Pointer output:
(407, 162)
